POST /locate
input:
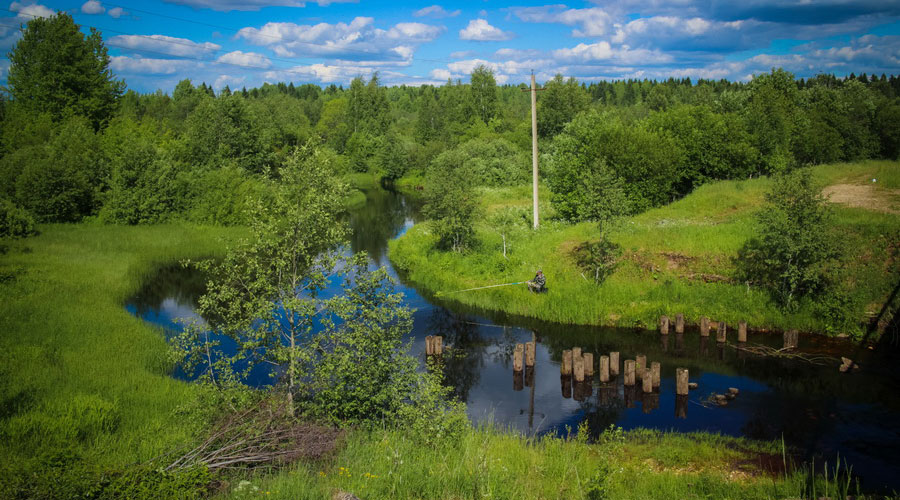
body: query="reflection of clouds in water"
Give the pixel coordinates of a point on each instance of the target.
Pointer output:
(182, 312)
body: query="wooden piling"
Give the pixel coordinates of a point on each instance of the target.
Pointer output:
(704, 326)
(576, 352)
(721, 332)
(518, 354)
(742, 331)
(629, 372)
(529, 353)
(614, 364)
(640, 362)
(681, 404)
(679, 323)
(664, 325)
(655, 370)
(791, 339)
(429, 345)
(565, 366)
(604, 369)
(647, 380)
(529, 376)
(681, 381)
(578, 367)
(588, 365)
(438, 342)
(517, 381)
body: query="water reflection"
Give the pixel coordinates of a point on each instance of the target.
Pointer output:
(815, 408)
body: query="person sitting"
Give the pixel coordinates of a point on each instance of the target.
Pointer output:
(538, 284)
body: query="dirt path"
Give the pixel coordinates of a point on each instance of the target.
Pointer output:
(864, 196)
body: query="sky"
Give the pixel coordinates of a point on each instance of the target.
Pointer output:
(153, 44)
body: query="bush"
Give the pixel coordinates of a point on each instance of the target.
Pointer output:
(598, 258)
(15, 222)
(450, 201)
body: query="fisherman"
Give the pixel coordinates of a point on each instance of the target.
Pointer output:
(538, 284)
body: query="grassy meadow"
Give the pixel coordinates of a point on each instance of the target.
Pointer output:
(676, 258)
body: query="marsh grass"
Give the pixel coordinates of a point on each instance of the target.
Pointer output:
(83, 381)
(677, 258)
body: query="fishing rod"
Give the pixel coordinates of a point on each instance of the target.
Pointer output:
(488, 286)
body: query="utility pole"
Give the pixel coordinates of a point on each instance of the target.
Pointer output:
(534, 149)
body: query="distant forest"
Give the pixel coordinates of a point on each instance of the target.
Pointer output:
(76, 147)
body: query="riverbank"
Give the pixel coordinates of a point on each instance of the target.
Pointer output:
(676, 259)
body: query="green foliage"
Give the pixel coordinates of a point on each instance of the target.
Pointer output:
(223, 196)
(450, 200)
(391, 157)
(598, 258)
(362, 149)
(15, 222)
(488, 162)
(795, 245)
(61, 183)
(222, 131)
(770, 110)
(484, 93)
(55, 68)
(559, 102)
(368, 110)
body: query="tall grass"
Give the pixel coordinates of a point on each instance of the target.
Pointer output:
(677, 258)
(80, 378)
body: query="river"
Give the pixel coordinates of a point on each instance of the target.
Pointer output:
(818, 411)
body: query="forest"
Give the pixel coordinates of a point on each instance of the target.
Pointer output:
(100, 186)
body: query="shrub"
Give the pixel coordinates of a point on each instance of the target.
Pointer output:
(15, 221)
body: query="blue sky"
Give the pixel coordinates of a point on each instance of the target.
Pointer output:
(156, 43)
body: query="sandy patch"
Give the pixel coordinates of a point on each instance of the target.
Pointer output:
(864, 196)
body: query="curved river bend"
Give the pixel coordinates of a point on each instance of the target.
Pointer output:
(819, 411)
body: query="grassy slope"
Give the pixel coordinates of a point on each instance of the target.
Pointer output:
(77, 371)
(673, 255)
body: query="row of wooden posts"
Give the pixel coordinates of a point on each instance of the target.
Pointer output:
(791, 337)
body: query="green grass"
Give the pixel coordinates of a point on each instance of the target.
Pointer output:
(491, 463)
(80, 377)
(677, 258)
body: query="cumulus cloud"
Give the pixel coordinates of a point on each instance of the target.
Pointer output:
(436, 11)
(229, 80)
(330, 73)
(589, 22)
(230, 5)
(440, 74)
(181, 47)
(517, 54)
(30, 11)
(480, 30)
(142, 65)
(117, 12)
(92, 7)
(358, 40)
(603, 51)
(250, 59)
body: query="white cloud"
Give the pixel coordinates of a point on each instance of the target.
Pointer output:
(251, 59)
(117, 12)
(245, 5)
(92, 7)
(480, 30)
(231, 81)
(358, 40)
(436, 11)
(462, 54)
(141, 65)
(603, 51)
(517, 54)
(30, 11)
(440, 74)
(590, 22)
(165, 44)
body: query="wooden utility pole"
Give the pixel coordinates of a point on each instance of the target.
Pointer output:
(534, 148)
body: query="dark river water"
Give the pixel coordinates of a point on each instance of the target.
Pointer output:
(820, 413)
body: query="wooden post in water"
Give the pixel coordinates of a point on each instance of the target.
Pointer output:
(529, 354)
(588, 365)
(704, 326)
(655, 374)
(565, 367)
(604, 369)
(791, 339)
(679, 323)
(429, 345)
(629, 372)
(640, 362)
(614, 364)
(518, 354)
(578, 367)
(517, 381)
(681, 406)
(681, 381)
(438, 345)
(647, 380)
(721, 332)
(576, 353)
(664, 325)
(742, 331)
